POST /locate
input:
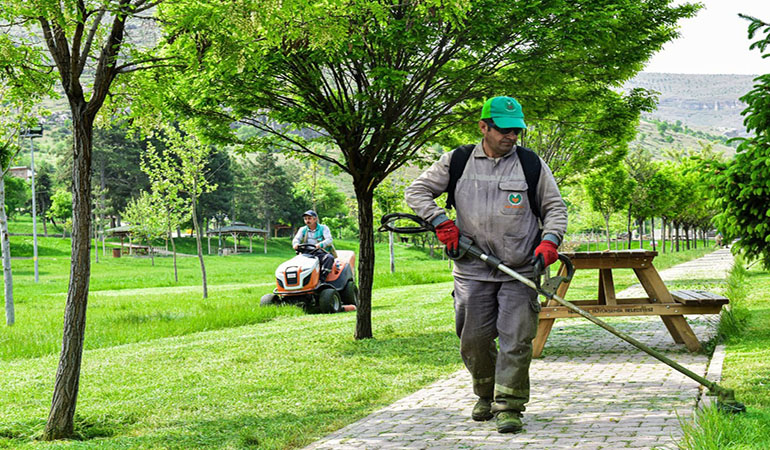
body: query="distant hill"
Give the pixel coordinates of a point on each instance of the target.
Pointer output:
(658, 139)
(702, 102)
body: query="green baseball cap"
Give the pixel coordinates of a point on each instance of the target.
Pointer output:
(504, 111)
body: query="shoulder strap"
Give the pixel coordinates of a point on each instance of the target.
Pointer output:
(530, 163)
(457, 164)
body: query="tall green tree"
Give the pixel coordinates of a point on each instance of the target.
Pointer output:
(744, 191)
(43, 191)
(589, 132)
(219, 172)
(83, 44)
(263, 193)
(61, 209)
(148, 219)
(181, 170)
(609, 191)
(21, 89)
(318, 190)
(377, 80)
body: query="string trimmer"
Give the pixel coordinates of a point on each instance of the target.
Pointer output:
(725, 397)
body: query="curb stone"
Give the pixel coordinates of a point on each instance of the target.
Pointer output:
(713, 373)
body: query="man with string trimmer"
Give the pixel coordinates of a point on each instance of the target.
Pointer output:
(508, 203)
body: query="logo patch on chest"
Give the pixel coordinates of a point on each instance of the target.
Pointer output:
(514, 199)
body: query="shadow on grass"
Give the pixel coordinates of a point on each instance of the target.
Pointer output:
(86, 428)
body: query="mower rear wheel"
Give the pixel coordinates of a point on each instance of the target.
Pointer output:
(329, 301)
(268, 299)
(350, 294)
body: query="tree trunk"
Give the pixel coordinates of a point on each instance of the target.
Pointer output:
(102, 202)
(149, 250)
(365, 263)
(663, 233)
(198, 241)
(61, 417)
(641, 234)
(607, 224)
(10, 316)
(676, 226)
(173, 250)
(628, 227)
(96, 239)
(392, 255)
(652, 232)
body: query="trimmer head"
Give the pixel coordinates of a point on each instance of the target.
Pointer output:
(726, 401)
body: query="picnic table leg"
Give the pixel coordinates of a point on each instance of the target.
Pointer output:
(677, 325)
(544, 325)
(606, 288)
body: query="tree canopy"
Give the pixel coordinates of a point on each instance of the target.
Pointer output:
(745, 193)
(376, 81)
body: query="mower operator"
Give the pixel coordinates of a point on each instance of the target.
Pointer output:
(493, 195)
(319, 235)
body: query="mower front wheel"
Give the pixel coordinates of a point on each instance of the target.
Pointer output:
(329, 301)
(268, 299)
(350, 294)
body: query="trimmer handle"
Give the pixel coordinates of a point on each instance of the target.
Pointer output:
(464, 246)
(552, 284)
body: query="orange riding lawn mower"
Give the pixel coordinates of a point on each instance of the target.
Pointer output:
(298, 282)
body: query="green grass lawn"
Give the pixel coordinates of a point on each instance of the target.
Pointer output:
(164, 368)
(746, 370)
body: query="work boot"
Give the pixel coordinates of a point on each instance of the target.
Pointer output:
(508, 422)
(482, 410)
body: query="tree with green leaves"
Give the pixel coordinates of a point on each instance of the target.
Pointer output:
(263, 193)
(318, 192)
(219, 172)
(744, 191)
(61, 209)
(43, 191)
(609, 191)
(21, 88)
(117, 153)
(167, 198)
(587, 133)
(85, 44)
(148, 220)
(181, 171)
(375, 82)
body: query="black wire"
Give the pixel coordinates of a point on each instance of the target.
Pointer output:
(388, 224)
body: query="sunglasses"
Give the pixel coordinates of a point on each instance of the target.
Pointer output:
(515, 131)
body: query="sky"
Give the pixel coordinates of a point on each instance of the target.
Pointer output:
(715, 41)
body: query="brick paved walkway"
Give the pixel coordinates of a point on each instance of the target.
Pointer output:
(590, 391)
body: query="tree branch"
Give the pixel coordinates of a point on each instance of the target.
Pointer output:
(89, 41)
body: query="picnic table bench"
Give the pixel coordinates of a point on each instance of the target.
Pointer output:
(671, 306)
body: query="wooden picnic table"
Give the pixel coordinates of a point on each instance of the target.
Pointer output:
(670, 306)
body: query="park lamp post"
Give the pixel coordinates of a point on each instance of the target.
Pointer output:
(33, 133)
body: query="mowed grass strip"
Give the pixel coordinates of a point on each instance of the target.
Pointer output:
(131, 300)
(273, 385)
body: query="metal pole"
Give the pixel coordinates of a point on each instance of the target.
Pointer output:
(34, 208)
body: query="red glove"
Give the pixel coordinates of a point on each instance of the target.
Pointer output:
(448, 233)
(548, 250)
